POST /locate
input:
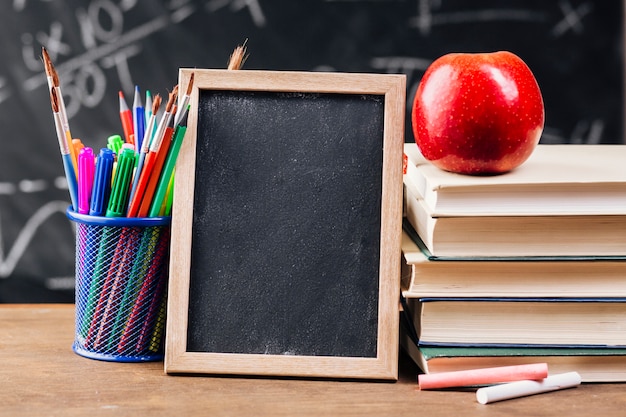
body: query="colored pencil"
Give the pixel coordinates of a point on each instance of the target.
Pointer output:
(147, 107)
(156, 343)
(138, 119)
(145, 144)
(150, 298)
(156, 244)
(126, 118)
(138, 267)
(152, 155)
(166, 210)
(151, 186)
(168, 169)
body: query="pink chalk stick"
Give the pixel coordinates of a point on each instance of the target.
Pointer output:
(483, 376)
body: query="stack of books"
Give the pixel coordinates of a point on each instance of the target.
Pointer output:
(528, 266)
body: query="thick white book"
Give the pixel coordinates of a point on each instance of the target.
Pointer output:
(516, 236)
(426, 276)
(555, 180)
(580, 322)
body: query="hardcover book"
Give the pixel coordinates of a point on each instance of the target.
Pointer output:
(555, 180)
(507, 236)
(424, 275)
(558, 322)
(593, 364)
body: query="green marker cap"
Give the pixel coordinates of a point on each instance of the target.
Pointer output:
(120, 189)
(115, 143)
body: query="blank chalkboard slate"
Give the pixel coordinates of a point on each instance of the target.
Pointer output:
(286, 227)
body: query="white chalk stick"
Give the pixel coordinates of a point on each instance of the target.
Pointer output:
(524, 388)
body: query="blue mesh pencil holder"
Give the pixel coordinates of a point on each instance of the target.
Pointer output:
(121, 281)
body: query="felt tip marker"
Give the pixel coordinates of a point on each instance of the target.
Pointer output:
(115, 143)
(101, 190)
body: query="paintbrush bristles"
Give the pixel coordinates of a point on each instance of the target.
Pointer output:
(46, 61)
(172, 98)
(238, 57)
(190, 85)
(54, 100)
(156, 103)
(49, 67)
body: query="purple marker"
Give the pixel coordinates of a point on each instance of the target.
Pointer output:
(86, 169)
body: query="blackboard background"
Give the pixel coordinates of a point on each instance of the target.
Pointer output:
(574, 47)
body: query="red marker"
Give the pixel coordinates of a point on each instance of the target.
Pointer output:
(126, 116)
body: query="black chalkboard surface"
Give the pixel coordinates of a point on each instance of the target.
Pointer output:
(290, 215)
(574, 47)
(286, 246)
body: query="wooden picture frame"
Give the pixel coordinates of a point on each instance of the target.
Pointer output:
(249, 306)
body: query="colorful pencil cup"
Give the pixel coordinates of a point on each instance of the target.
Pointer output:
(121, 280)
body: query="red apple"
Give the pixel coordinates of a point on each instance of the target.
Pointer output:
(478, 113)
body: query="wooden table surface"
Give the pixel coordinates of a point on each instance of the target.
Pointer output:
(41, 376)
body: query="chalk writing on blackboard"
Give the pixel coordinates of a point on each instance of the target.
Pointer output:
(572, 18)
(85, 82)
(9, 260)
(253, 6)
(428, 16)
(100, 46)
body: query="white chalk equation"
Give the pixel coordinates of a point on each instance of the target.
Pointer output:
(92, 45)
(106, 42)
(572, 18)
(5, 93)
(9, 259)
(96, 44)
(106, 46)
(431, 13)
(29, 186)
(560, 20)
